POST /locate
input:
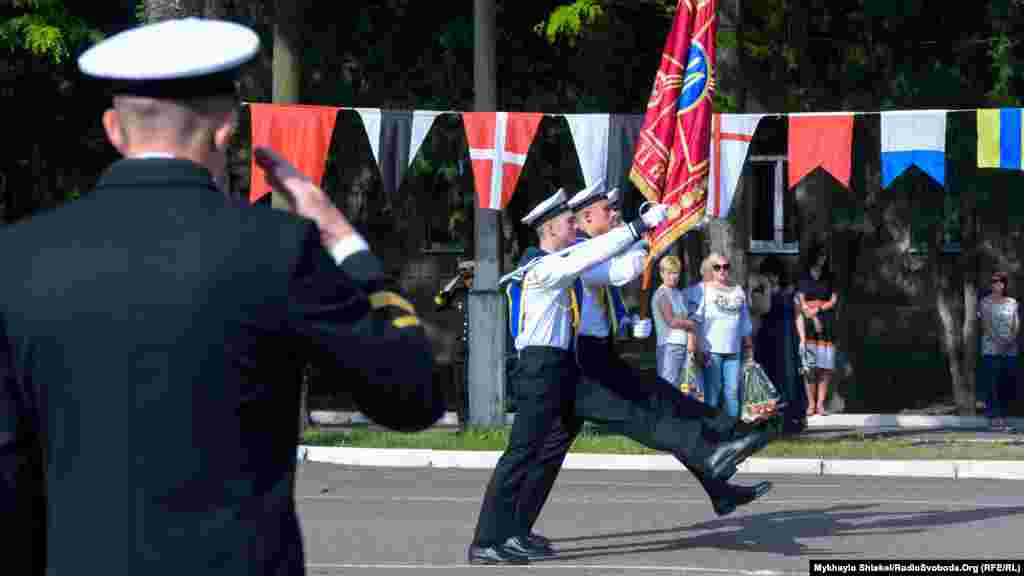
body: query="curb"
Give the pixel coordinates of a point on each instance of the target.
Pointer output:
(410, 458)
(895, 421)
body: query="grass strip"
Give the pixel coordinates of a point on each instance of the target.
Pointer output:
(954, 446)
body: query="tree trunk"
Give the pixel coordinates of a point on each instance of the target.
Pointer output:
(287, 66)
(957, 328)
(723, 234)
(965, 392)
(213, 9)
(158, 10)
(287, 74)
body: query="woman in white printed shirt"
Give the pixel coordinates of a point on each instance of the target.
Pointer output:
(721, 309)
(1000, 324)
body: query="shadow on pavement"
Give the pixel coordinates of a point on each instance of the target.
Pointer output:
(780, 532)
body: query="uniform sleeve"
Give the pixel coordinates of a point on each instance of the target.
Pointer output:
(9, 429)
(556, 271)
(355, 317)
(619, 270)
(22, 498)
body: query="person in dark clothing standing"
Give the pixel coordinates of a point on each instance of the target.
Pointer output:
(149, 331)
(775, 347)
(817, 300)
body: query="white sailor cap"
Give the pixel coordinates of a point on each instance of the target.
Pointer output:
(547, 209)
(587, 196)
(613, 197)
(182, 58)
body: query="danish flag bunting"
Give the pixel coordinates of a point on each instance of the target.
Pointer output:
(498, 143)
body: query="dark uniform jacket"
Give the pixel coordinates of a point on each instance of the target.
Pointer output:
(149, 337)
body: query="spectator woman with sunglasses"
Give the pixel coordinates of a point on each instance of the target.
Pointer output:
(722, 311)
(1000, 323)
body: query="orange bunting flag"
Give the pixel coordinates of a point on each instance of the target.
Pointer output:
(822, 140)
(299, 133)
(670, 163)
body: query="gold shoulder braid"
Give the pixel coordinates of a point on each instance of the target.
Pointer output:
(386, 299)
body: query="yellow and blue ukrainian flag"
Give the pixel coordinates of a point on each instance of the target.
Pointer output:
(999, 138)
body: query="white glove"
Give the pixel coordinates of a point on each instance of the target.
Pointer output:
(655, 215)
(642, 329)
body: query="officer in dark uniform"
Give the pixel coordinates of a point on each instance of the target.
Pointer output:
(646, 409)
(149, 331)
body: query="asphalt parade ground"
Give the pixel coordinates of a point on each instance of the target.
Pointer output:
(372, 521)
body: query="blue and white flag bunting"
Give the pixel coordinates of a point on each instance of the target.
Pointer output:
(914, 138)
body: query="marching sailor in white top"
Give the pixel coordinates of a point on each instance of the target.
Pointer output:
(611, 392)
(544, 318)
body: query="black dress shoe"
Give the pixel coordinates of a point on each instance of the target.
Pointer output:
(495, 555)
(522, 547)
(722, 462)
(738, 496)
(538, 541)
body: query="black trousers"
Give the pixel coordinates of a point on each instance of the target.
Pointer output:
(544, 383)
(626, 401)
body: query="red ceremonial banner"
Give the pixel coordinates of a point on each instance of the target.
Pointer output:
(824, 141)
(670, 163)
(299, 133)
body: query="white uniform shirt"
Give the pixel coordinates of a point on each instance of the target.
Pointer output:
(617, 271)
(546, 305)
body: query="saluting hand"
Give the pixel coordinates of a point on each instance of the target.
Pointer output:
(304, 197)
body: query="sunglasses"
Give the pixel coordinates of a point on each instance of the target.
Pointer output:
(720, 267)
(998, 281)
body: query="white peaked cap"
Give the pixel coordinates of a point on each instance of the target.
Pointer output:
(587, 196)
(548, 209)
(182, 57)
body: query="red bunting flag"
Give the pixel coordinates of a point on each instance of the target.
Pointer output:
(498, 143)
(299, 133)
(820, 140)
(670, 164)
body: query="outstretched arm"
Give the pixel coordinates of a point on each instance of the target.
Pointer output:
(618, 270)
(555, 271)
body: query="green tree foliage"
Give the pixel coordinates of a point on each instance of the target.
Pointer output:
(46, 29)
